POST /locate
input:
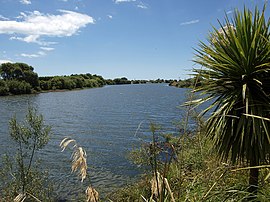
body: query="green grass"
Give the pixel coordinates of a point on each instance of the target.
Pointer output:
(198, 175)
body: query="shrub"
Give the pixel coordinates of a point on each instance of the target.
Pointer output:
(4, 90)
(19, 87)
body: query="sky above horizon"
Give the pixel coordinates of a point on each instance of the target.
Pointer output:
(137, 39)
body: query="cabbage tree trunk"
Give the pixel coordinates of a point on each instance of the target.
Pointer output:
(253, 181)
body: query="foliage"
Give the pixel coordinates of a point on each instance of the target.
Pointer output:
(18, 87)
(19, 72)
(17, 78)
(71, 82)
(197, 175)
(123, 80)
(187, 83)
(4, 90)
(236, 65)
(21, 173)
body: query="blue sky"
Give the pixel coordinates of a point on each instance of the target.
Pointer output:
(138, 39)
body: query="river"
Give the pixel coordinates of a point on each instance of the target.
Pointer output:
(102, 120)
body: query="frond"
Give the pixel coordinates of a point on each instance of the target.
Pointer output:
(236, 74)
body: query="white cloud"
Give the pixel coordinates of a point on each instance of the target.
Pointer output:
(123, 1)
(141, 5)
(190, 22)
(5, 61)
(41, 53)
(229, 12)
(3, 18)
(33, 39)
(35, 55)
(110, 16)
(33, 25)
(27, 2)
(28, 39)
(30, 55)
(47, 48)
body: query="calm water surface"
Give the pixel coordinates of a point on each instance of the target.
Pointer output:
(103, 121)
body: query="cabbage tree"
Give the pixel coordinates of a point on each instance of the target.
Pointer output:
(236, 76)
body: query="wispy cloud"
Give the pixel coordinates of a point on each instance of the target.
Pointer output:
(36, 55)
(30, 55)
(3, 18)
(110, 16)
(229, 12)
(28, 39)
(123, 1)
(190, 22)
(33, 25)
(33, 39)
(27, 2)
(142, 6)
(47, 48)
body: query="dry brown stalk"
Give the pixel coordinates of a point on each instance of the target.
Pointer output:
(20, 198)
(65, 142)
(78, 157)
(79, 162)
(92, 194)
(156, 186)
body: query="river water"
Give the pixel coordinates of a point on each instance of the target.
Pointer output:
(102, 120)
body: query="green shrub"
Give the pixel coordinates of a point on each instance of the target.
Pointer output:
(4, 90)
(19, 87)
(21, 173)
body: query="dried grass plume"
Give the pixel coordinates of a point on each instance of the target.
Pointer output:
(78, 157)
(91, 194)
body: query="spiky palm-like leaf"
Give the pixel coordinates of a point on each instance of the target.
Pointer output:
(236, 72)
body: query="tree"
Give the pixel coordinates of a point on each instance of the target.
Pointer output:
(3, 88)
(236, 67)
(18, 87)
(21, 175)
(6, 70)
(20, 72)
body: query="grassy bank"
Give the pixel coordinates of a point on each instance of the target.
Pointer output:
(196, 174)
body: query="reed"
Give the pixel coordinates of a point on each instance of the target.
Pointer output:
(79, 165)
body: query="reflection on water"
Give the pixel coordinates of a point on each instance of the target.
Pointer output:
(103, 121)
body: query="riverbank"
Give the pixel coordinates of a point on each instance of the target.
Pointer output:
(196, 174)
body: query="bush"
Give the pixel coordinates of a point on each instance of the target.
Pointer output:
(4, 90)
(18, 87)
(21, 173)
(45, 85)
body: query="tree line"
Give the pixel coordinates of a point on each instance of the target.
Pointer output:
(20, 78)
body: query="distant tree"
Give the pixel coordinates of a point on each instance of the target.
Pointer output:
(109, 82)
(57, 82)
(45, 85)
(20, 72)
(79, 81)
(122, 80)
(18, 87)
(6, 70)
(4, 90)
